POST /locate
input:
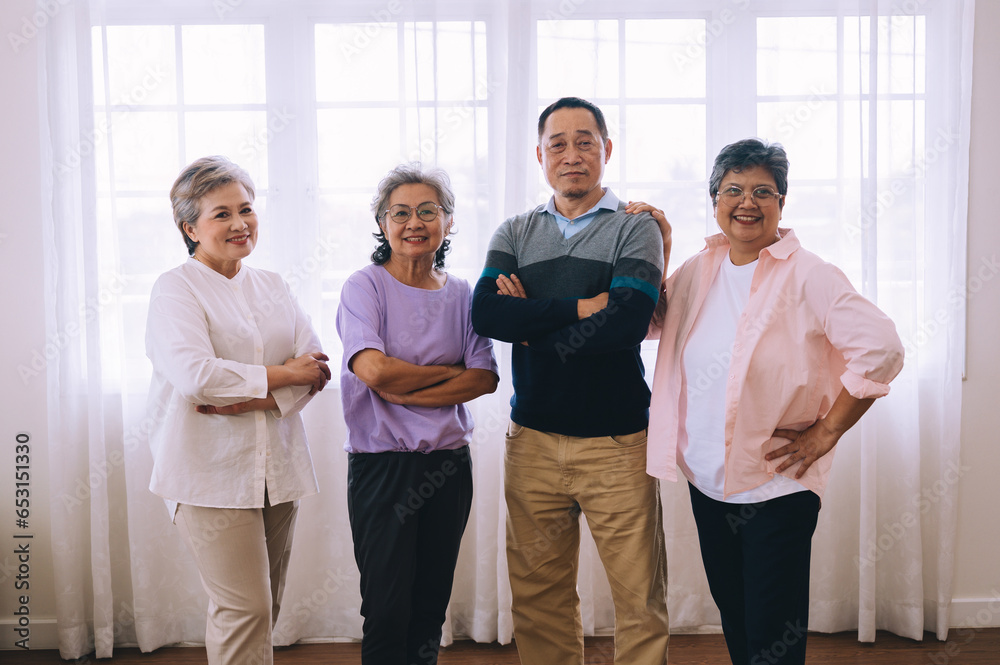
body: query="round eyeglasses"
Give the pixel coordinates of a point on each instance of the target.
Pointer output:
(426, 212)
(762, 197)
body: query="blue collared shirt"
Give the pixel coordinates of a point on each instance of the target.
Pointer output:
(571, 227)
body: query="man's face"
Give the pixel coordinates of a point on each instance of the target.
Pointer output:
(572, 153)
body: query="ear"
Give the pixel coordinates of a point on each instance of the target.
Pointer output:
(607, 151)
(538, 153)
(191, 231)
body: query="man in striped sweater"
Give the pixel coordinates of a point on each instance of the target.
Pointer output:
(572, 285)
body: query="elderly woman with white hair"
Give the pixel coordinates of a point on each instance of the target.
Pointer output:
(411, 361)
(234, 361)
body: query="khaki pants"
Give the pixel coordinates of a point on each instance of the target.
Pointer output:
(242, 557)
(550, 479)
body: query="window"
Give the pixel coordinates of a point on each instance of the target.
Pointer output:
(319, 103)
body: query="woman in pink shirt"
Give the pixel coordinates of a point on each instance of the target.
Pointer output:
(767, 356)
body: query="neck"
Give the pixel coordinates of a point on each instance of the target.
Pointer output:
(573, 207)
(227, 269)
(420, 274)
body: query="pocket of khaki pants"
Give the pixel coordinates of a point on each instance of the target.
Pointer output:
(629, 440)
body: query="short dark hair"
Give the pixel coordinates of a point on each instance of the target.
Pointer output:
(573, 103)
(198, 179)
(748, 153)
(411, 174)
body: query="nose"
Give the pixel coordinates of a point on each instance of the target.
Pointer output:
(747, 201)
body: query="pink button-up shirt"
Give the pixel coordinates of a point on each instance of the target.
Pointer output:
(804, 335)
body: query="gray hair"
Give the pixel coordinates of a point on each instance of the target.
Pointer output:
(198, 179)
(746, 154)
(411, 174)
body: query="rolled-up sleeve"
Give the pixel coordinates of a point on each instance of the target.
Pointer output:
(860, 331)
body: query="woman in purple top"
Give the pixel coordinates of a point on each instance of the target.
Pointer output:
(411, 361)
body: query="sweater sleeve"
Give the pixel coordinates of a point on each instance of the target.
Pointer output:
(635, 289)
(507, 318)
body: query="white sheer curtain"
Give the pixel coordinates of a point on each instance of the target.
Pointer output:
(879, 151)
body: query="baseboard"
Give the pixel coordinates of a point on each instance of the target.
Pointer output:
(975, 613)
(43, 634)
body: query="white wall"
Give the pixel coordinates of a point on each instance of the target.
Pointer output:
(23, 405)
(977, 575)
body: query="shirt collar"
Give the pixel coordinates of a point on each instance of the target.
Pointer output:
(608, 202)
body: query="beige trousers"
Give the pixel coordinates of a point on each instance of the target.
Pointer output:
(550, 479)
(242, 557)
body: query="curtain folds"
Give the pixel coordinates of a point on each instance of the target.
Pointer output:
(884, 550)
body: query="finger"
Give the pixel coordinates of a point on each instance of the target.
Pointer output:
(787, 449)
(789, 434)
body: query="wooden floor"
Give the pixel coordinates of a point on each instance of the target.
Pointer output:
(965, 647)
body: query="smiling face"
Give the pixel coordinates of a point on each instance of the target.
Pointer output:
(573, 154)
(226, 230)
(748, 227)
(416, 240)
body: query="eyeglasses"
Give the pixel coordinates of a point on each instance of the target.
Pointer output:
(762, 197)
(426, 212)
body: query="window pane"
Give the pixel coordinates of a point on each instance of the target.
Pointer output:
(665, 143)
(578, 58)
(223, 64)
(142, 68)
(357, 62)
(145, 150)
(808, 130)
(796, 56)
(665, 58)
(441, 60)
(345, 145)
(242, 136)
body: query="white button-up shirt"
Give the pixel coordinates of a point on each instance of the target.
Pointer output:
(210, 339)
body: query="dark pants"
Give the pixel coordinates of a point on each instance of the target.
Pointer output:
(756, 557)
(408, 512)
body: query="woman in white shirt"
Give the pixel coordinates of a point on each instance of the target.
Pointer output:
(234, 360)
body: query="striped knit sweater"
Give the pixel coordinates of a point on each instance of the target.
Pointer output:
(577, 378)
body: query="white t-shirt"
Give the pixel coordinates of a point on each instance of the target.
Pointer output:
(701, 456)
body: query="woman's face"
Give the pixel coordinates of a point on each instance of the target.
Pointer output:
(749, 226)
(415, 239)
(226, 230)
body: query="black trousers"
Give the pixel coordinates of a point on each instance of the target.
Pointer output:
(408, 512)
(756, 556)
